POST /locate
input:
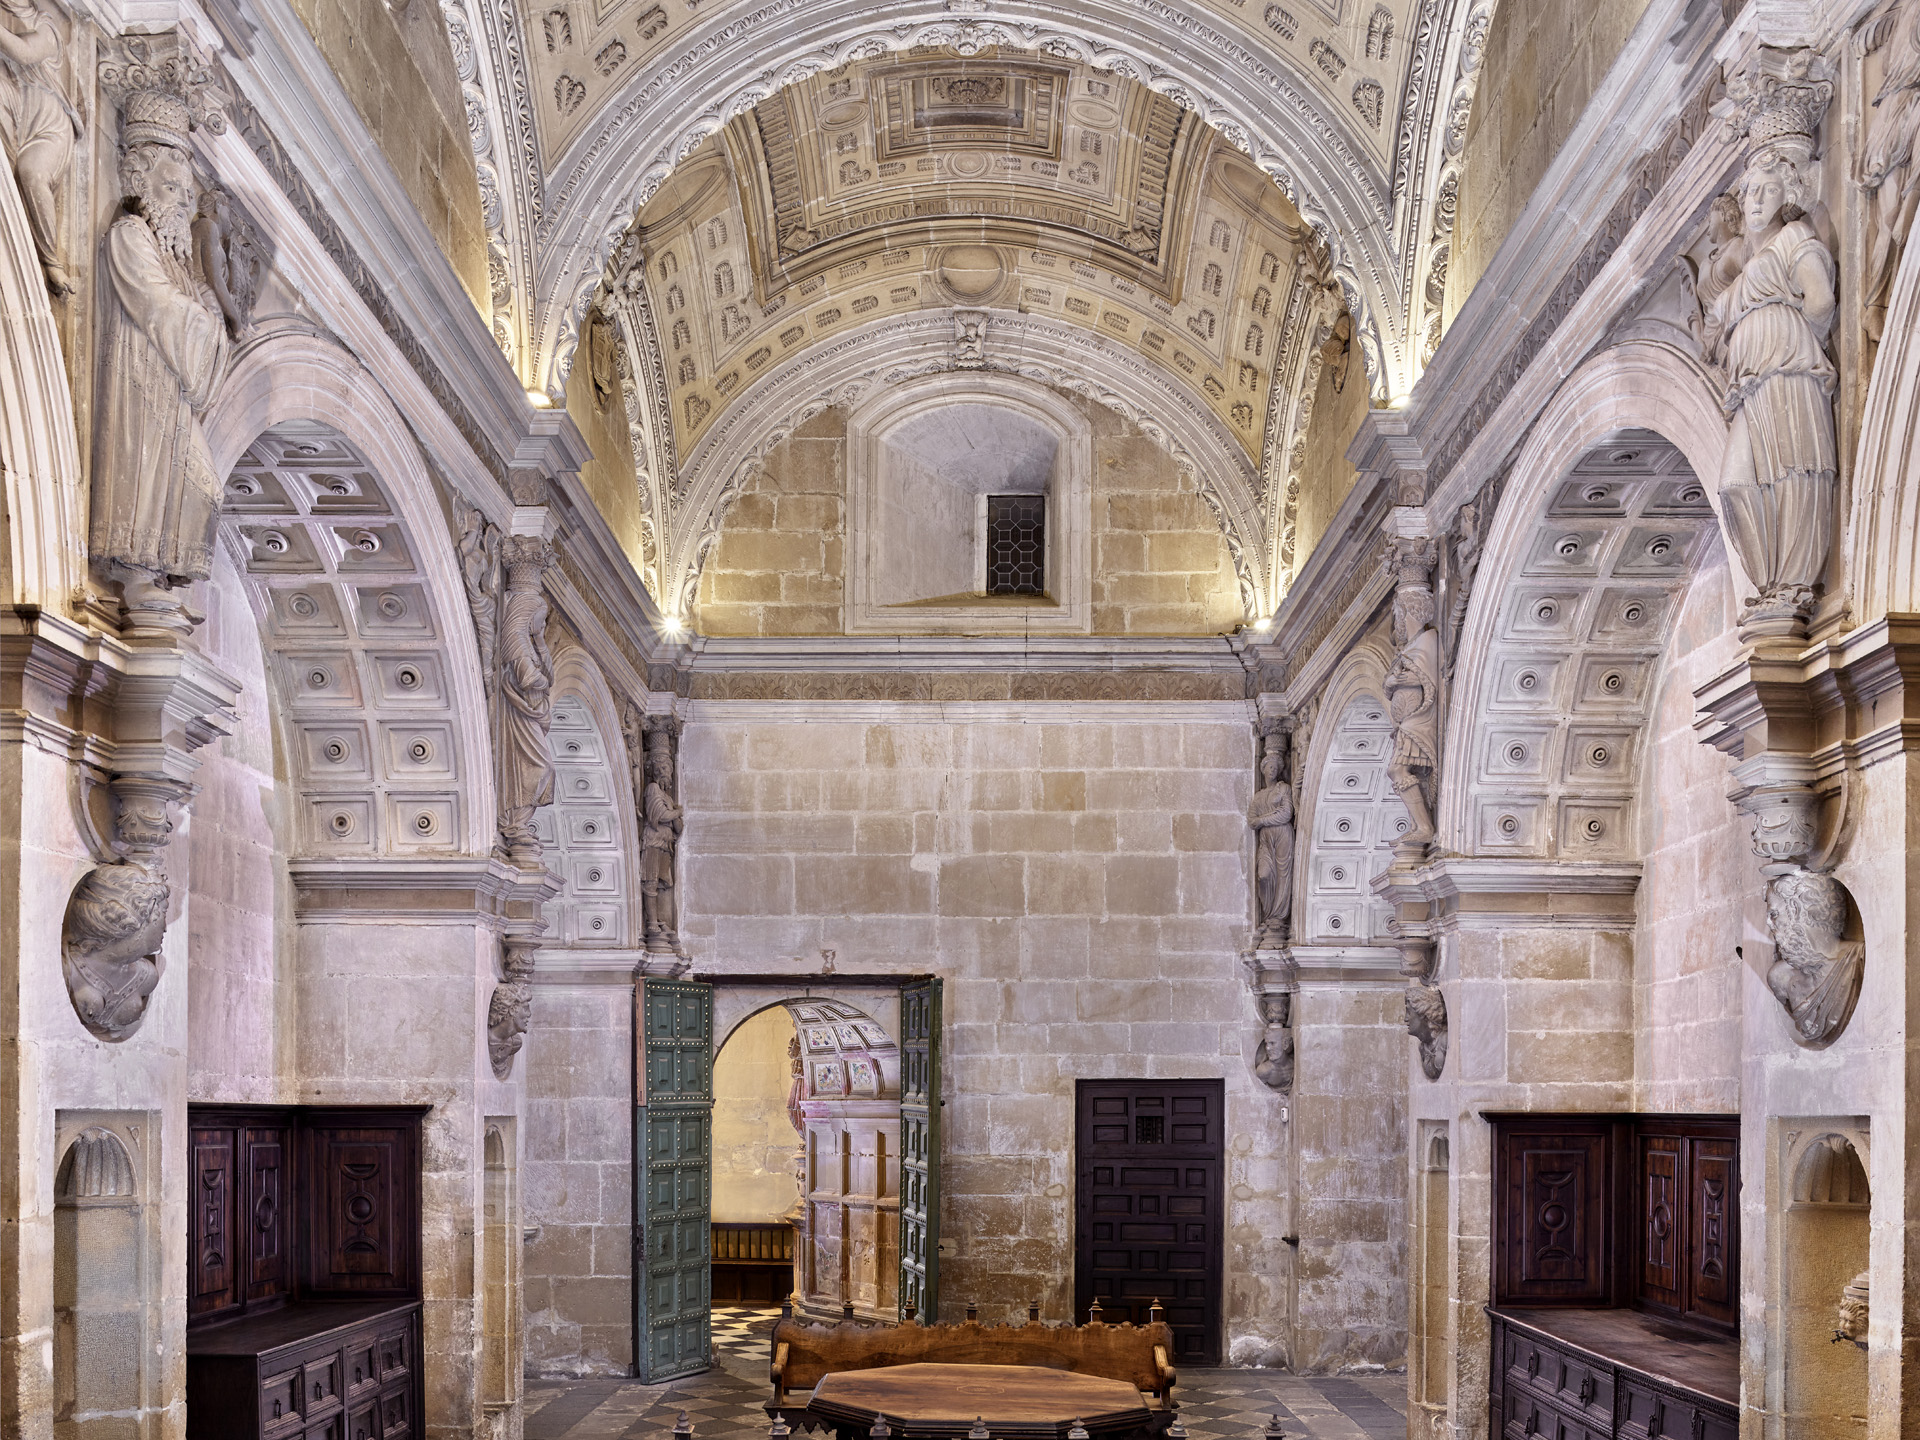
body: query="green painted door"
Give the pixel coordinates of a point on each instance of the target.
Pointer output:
(920, 1149)
(673, 1179)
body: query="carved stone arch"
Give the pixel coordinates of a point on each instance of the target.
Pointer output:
(1882, 543)
(906, 347)
(1349, 813)
(1256, 96)
(43, 556)
(590, 835)
(1605, 519)
(357, 565)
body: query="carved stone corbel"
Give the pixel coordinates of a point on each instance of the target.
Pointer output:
(1427, 1023)
(1272, 979)
(168, 704)
(1770, 718)
(511, 1007)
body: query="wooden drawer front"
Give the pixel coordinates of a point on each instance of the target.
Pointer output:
(396, 1414)
(320, 1382)
(1647, 1412)
(332, 1428)
(363, 1420)
(396, 1354)
(1528, 1417)
(361, 1365)
(280, 1407)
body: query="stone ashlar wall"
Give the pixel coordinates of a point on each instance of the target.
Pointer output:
(1699, 869)
(577, 1180)
(1081, 881)
(396, 65)
(236, 1012)
(1544, 59)
(1160, 564)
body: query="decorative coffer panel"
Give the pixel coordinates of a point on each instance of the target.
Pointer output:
(355, 645)
(1619, 1210)
(1570, 678)
(289, 1203)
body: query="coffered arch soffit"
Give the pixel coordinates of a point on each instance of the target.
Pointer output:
(329, 514)
(1343, 102)
(1349, 815)
(1606, 518)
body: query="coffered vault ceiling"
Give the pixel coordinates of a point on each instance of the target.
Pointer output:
(860, 173)
(580, 109)
(858, 223)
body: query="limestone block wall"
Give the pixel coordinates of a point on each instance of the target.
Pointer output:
(608, 474)
(1700, 893)
(1078, 873)
(401, 1018)
(1349, 1181)
(57, 1078)
(1161, 566)
(1327, 475)
(1543, 61)
(396, 65)
(241, 908)
(577, 1180)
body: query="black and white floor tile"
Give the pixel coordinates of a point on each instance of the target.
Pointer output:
(725, 1402)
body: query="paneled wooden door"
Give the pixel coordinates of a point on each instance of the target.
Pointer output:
(1148, 1220)
(920, 1149)
(673, 1179)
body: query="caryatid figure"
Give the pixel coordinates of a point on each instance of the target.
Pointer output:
(1413, 704)
(1769, 328)
(661, 820)
(37, 125)
(155, 495)
(1271, 815)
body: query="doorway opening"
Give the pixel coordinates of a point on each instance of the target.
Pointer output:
(756, 1148)
(1150, 1155)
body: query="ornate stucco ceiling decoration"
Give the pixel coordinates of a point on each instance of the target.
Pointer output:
(591, 104)
(902, 197)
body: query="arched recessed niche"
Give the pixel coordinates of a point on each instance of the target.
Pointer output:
(930, 465)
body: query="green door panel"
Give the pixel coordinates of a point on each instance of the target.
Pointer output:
(920, 1149)
(673, 1179)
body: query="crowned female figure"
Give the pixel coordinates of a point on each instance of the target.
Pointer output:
(1769, 328)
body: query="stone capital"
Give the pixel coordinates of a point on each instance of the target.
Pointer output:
(1386, 446)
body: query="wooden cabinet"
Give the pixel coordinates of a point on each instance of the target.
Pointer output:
(1552, 1383)
(1615, 1264)
(303, 1273)
(327, 1371)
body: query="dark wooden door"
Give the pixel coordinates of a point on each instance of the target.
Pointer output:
(1148, 1221)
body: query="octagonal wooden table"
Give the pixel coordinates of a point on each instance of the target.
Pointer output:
(1018, 1402)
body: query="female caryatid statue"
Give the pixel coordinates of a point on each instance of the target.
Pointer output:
(1271, 815)
(526, 700)
(1769, 328)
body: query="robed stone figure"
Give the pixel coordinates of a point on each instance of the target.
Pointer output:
(155, 495)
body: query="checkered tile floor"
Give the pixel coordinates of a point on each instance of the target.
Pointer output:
(725, 1402)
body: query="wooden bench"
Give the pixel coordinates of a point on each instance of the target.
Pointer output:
(1141, 1355)
(752, 1263)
